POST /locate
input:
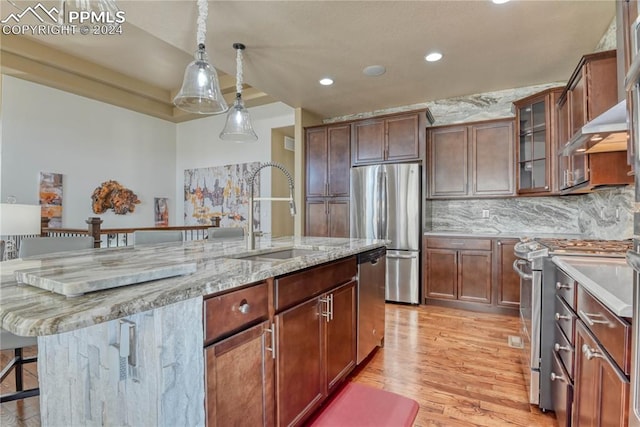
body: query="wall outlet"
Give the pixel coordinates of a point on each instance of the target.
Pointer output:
(485, 213)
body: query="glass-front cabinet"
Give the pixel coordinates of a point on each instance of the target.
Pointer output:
(535, 142)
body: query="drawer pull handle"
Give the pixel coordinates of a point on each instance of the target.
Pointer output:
(563, 286)
(244, 307)
(272, 349)
(591, 353)
(557, 377)
(325, 313)
(558, 347)
(562, 317)
(588, 318)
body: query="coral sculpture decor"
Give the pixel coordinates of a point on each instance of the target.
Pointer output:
(113, 195)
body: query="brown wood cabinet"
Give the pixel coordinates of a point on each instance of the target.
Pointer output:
(316, 339)
(536, 142)
(626, 14)
(327, 217)
(508, 281)
(327, 161)
(473, 160)
(388, 139)
(458, 269)
(327, 180)
(239, 379)
(602, 391)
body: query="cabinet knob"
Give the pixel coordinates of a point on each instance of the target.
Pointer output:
(244, 307)
(556, 377)
(499, 243)
(562, 317)
(562, 286)
(558, 347)
(546, 187)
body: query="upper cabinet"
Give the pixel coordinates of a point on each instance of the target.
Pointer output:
(327, 152)
(536, 142)
(472, 160)
(591, 90)
(388, 139)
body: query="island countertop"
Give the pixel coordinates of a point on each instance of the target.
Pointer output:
(30, 311)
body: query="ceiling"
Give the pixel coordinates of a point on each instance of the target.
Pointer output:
(292, 44)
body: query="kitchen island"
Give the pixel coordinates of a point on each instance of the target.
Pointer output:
(133, 355)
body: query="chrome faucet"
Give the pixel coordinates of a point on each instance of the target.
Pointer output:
(251, 240)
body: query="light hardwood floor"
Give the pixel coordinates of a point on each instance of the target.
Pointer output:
(455, 364)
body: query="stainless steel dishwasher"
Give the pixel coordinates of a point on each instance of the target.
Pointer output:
(371, 293)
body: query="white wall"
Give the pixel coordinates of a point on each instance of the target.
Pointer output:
(89, 142)
(199, 146)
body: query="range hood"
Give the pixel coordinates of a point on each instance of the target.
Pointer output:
(607, 132)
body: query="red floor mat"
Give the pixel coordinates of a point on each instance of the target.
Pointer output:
(358, 405)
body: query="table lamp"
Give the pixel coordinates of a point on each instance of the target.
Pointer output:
(17, 220)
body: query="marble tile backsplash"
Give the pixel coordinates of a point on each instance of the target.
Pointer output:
(603, 214)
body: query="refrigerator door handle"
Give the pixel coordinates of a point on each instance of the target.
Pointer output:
(402, 256)
(384, 206)
(379, 202)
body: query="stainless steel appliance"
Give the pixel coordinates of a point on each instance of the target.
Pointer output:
(385, 204)
(371, 287)
(632, 86)
(537, 293)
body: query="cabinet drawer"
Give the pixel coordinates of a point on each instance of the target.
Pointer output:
(565, 351)
(561, 393)
(613, 333)
(230, 312)
(565, 319)
(566, 288)
(448, 243)
(297, 287)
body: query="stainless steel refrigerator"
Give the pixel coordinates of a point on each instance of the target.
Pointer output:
(385, 204)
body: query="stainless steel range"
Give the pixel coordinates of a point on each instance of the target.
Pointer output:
(537, 292)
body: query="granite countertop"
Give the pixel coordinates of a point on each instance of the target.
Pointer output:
(502, 234)
(610, 280)
(30, 311)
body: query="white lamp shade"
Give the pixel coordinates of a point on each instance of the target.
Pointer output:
(19, 220)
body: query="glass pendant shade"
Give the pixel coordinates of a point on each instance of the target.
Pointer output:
(200, 92)
(238, 126)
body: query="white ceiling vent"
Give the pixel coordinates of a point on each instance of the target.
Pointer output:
(289, 143)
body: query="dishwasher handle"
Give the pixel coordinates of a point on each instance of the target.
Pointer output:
(372, 257)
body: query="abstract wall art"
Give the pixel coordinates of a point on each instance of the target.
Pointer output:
(113, 195)
(51, 198)
(219, 191)
(161, 211)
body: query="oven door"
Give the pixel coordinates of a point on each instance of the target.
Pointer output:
(530, 310)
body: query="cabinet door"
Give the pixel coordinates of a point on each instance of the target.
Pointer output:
(508, 280)
(474, 276)
(316, 215)
(300, 376)
(341, 334)
(441, 274)
(563, 137)
(338, 218)
(602, 392)
(448, 161)
(578, 104)
(368, 141)
(316, 153)
(339, 145)
(239, 379)
(492, 158)
(403, 141)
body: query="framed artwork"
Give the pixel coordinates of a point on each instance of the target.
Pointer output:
(50, 193)
(219, 191)
(161, 211)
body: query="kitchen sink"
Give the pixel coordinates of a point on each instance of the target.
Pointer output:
(280, 254)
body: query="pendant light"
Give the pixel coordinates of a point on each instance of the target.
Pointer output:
(238, 127)
(200, 92)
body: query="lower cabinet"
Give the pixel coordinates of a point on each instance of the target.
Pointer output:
(317, 349)
(239, 379)
(508, 281)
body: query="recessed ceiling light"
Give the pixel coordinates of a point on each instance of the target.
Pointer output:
(500, 1)
(374, 70)
(433, 57)
(326, 81)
